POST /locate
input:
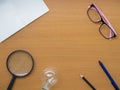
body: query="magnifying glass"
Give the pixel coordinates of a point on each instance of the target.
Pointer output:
(20, 64)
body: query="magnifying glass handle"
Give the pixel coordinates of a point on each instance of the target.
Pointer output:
(11, 83)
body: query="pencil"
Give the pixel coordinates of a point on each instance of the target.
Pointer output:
(87, 82)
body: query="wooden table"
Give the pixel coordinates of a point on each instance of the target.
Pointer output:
(65, 39)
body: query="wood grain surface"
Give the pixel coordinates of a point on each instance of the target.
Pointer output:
(65, 39)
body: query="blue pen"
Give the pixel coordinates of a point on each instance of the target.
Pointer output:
(109, 76)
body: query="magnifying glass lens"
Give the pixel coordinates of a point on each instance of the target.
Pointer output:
(20, 63)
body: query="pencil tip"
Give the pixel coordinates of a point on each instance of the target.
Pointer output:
(81, 76)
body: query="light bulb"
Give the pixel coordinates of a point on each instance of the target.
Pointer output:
(49, 78)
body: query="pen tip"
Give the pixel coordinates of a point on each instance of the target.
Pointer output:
(99, 61)
(81, 76)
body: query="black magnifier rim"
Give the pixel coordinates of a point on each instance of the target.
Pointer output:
(16, 52)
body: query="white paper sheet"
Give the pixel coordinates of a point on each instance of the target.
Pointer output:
(16, 14)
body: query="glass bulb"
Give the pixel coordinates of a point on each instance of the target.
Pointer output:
(49, 78)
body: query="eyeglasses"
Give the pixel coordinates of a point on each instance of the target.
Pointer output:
(96, 16)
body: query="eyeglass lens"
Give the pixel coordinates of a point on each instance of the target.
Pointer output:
(94, 15)
(105, 31)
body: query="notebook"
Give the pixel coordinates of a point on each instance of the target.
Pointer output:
(16, 14)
